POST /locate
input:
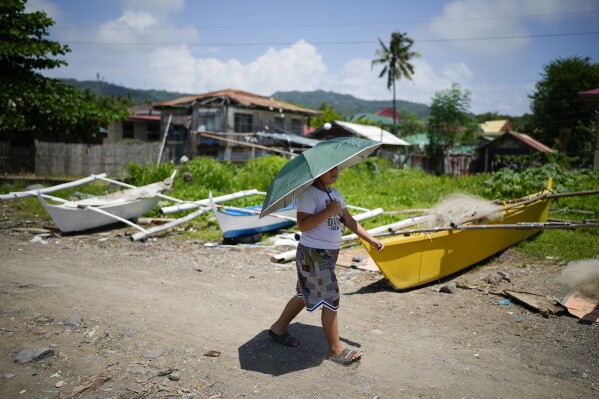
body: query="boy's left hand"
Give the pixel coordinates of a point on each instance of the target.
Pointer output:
(377, 244)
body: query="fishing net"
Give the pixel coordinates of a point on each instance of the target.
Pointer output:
(459, 207)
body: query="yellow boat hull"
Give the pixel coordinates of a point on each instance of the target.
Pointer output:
(413, 260)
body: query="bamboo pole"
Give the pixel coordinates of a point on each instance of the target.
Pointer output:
(359, 217)
(120, 183)
(33, 193)
(516, 226)
(153, 230)
(527, 201)
(501, 209)
(290, 255)
(168, 124)
(185, 206)
(215, 137)
(253, 212)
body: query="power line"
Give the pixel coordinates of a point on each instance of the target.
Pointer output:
(248, 44)
(328, 24)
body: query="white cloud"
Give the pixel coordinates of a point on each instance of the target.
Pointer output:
(479, 19)
(137, 20)
(155, 7)
(298, 67)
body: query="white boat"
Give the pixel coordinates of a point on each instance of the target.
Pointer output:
(121, 206)
(239, 222)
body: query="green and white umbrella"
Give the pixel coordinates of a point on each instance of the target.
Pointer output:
(300, 172)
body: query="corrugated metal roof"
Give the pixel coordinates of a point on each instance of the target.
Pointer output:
(493, 128)
(239, 97)
(529, 141)
(537, 145)
(374, 133)
(305, 141)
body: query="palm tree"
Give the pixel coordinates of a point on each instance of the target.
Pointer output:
(396, 60)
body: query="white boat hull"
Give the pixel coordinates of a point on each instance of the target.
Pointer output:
(69, 219)
(239, 223)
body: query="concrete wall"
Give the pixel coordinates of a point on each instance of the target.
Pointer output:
(85, 159)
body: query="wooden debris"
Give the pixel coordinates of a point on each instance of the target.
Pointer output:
(475, 288)
(545, 305)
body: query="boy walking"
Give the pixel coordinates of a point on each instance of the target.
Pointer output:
(321, 213)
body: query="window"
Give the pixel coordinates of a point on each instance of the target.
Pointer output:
(243, 123)
(153, 131)
(127, 130)
(210, 119)
(279, 126)
(296, 127)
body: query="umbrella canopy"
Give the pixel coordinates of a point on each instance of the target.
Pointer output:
(299, 173)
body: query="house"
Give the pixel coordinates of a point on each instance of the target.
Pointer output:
(391, 143)
(388, 113)
(222, 124)
(456, 161)
(382, 118)
(372, 119)
(493, 155)
(143, 124)
(591, 100)
(494, 128)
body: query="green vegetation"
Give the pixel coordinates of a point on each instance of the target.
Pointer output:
(371, 184)
(347, 105)
(32, 105)
(560, 117)
(395, 59)
(101, 88)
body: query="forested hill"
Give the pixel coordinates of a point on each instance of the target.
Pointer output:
(344, 104)
(347, 105)
(137, 96)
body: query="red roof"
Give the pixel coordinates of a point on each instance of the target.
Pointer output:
(592, 92)
(537, 145)
(155, 118)
(388, 112)
(526, 139)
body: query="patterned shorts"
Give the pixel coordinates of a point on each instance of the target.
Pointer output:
(316, 279)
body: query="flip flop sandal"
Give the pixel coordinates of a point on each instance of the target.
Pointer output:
(346, 357)
(285, 339)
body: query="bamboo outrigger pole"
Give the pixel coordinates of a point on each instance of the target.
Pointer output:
(516, 226)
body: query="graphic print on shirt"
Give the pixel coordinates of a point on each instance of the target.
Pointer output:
(333, 221)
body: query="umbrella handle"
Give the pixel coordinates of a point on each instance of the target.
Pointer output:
(341, 218)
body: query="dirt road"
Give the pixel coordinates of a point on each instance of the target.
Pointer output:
(175, 318)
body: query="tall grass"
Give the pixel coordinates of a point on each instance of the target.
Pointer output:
(376, 183)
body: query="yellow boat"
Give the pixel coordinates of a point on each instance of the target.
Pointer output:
(414, 259)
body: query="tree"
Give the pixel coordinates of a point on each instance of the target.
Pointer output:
(560, 118)
(396, 60)
(411, 124)
(328, 115)
(449, 121)
(32, 105)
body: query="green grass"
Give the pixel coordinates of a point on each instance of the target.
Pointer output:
(370, 186)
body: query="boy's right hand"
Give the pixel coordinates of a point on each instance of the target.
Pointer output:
(334, 207)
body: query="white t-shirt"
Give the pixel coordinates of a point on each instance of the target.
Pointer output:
(327, 235)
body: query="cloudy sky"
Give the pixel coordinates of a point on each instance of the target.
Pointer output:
(495, 48)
